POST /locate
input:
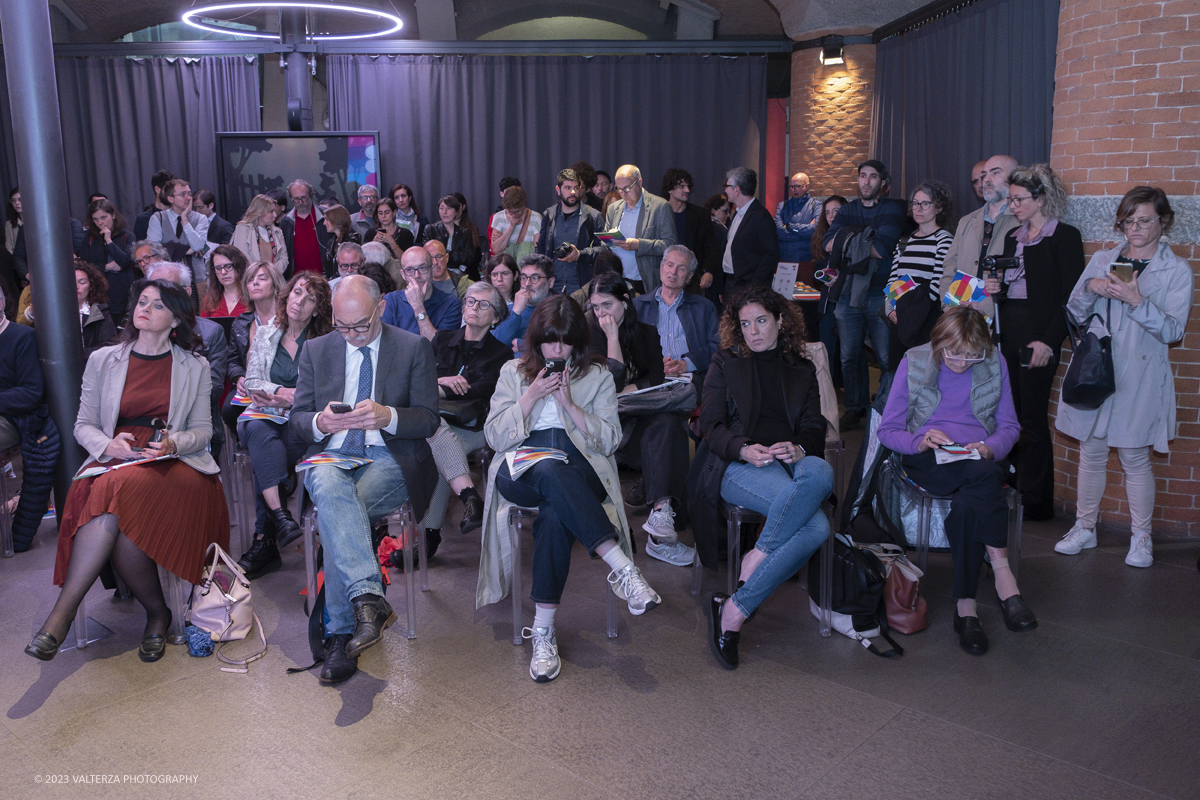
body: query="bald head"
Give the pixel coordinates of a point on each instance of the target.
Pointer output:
(357, 303)
(440, 259)
(995, 181)
(798, 185)
(629, 184)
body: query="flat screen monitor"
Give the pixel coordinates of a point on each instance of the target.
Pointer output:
(335, 163)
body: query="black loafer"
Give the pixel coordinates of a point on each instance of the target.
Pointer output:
(970, 635)
(372, 616)
(1018, 617)
(153, 647)
(261, 558)
(286, 529)
(43, 647)
(724, 645)
(337, 666)
(472, 518)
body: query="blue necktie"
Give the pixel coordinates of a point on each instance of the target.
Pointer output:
(356, 439)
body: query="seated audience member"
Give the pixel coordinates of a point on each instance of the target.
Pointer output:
(337, 225)
(387, 375)
(181, 231)
(502, 272)
(164, 513)
(220, 230)
(375, 253)
(304, 313)
(686, 323)
(458, 233)
(387, 232)
(408, 215)
(25, 419)
(516, 230)
(571, 224)
(468, 363)
(605, 261)
(226, 295)
(108, 244)
(442, 277)
(795, 220)
(825, 319)
(919, 256)
(768, 457)
(95, 323)
(304, 231)
(645, 220)
(259, 238)
(141, 225)
(262, 285)
(955, 390)
(537, 282)
(657, 440)
(420, 308)
(381, 277)
(575, 411)
(693, 228)
(752, 249)
(1149, 314)
(363, 220)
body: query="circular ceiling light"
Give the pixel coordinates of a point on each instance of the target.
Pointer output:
(190, 17)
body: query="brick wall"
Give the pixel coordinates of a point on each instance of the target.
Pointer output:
(831, 118)
(1127, 112)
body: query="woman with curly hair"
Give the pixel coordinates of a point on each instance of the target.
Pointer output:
(96, 325)
(763, 446)
(919, 256)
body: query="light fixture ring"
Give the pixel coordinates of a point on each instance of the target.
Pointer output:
(190, 18)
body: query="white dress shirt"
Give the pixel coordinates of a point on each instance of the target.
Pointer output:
(727, 262)
(350, 397)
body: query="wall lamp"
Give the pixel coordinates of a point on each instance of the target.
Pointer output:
(831, 50)
(832, 47)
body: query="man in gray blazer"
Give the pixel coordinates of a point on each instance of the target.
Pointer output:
(648, 226)
(387, 377)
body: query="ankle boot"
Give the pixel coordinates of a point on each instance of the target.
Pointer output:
(286, 529)
(261, 558)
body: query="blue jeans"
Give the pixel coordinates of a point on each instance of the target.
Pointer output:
(790, 496)
(853, 326)
(349, 502)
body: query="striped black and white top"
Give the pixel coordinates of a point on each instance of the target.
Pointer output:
(922, 259)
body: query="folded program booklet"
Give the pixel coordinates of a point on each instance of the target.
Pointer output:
(610, 236)
(332, 460)
(523, 458)
(100, 469)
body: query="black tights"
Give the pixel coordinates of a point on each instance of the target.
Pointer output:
(95, 544)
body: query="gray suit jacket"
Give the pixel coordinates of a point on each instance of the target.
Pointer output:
(963, 254)
(406, 380)
(655, 233)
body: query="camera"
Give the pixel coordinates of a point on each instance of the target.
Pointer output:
(563, 251)
(993, 264)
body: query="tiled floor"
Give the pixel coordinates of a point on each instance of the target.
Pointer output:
(1101, 701)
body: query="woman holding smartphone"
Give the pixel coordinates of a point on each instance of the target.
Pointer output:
(1145, 292)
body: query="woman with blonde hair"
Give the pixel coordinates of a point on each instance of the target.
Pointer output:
(258, 237)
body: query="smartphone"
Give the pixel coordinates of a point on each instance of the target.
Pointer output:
(340, 408)
(955, 449)
(1123, 272)
(1025, 357)
(555, 365)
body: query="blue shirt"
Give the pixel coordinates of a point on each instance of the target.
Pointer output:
(670, 330)
(444, 311)
(514, 325)
(628, 227)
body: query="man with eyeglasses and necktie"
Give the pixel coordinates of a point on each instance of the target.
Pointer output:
(419, 308)
(387, 377)
(183, 232)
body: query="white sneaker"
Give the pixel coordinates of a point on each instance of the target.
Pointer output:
(661, 524)
(675, 553)
(1077, 539)
(1141, 551)
(631, 587)
(544, 665)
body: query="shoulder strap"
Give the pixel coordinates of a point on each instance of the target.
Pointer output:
(250, 659)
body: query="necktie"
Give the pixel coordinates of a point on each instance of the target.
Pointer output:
(356, 439)
(179, 227)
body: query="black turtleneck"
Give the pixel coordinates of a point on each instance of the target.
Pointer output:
(772, 425)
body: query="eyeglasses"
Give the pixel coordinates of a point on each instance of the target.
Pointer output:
(531, 279)
(344, 329)
(143, 261)
(440, 257)
(1016, 200)
(222, 267)
(924, 205)
(471, 302)
(1138, 224)
(410, 271)
(961, 359)
(627, 189)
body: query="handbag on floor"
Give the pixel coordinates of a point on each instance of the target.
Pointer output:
(858, 585)
(222, 604)
(1090, 378)
(906, 609)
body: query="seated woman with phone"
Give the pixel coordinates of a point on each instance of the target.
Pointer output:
(304, 311)
(953, 396)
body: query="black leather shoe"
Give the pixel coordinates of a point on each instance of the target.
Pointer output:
(286, 529)
(637, 494)
(472, 518)
(372, 616)
(337, 666)
(153, 647)
(1018, 617)
(433, 539)
(724, 645)
(261, 558)
(43, 647)
(970, 635)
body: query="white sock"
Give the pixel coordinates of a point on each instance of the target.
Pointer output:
(544, 617)
(616, 558)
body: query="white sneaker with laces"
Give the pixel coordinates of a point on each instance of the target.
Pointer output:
(1077, 539)
(544, 665)
(1141, 551)
(661, 524)
(675, 553)
(630, 586)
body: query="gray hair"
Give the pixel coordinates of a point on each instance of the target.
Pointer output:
(680, 248)
(157, 251)
(182, 270)
(301, 182)
(373, 253)
(744, 178)
(353, 247)
(499, 307)
(369, 286)
(540, 261)
(366, 187)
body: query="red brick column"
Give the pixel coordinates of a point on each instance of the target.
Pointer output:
(1127, 112)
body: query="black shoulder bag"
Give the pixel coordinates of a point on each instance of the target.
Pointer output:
(1090, 378)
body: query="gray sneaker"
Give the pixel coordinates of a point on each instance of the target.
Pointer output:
(661, 524)
(544, 665)
(630, 586)
(675, 553)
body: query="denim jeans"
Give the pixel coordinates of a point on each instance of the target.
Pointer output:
(790, 496)
(570, 502)
(854, 324)
(349, 502)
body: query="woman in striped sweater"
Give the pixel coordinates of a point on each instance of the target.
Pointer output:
(919, 256)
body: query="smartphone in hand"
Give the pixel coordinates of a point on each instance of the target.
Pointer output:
(1025, 357)
(340, 408)
(555, 365)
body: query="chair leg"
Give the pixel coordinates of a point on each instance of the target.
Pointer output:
(514, 531)
(1015, 514)
(402, 524)
(826, 600)
(697, 573)
(733, 550)
(81, 625)
(6, 534)
(177, 597)
(611, 600)
(423, 561)
(308, 525)
(924, 520)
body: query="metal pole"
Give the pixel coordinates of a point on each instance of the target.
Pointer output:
(37, 135)
(293, 27)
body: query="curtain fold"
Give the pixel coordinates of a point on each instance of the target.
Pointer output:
(973, 84)
(460, 123)
(123, 119)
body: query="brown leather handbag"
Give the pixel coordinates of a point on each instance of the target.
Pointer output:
(906, 609)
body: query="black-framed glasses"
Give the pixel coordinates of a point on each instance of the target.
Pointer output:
(344, 329)
(143, 261)
(531, 278)
(415, 270)
(627, 189)
(441, 257)
(924, 205)
(472, 302)
(223, 267)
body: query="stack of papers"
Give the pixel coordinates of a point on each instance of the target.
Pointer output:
(100, 469)
(332, 460)
(523, 458)
(803, 291)
(277, 415)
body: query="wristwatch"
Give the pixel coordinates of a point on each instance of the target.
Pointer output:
(421, 316)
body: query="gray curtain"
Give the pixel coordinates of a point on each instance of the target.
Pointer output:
(123, 119)
(460, 123)
(976, 83)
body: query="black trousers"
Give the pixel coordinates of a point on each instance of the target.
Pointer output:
(978, 511)
(1034, 453)
(658, 446)
(273, 449)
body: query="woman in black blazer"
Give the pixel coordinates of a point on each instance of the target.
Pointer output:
(1030, 299)
(763, 447)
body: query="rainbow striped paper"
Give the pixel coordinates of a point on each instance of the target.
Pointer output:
(964, 288)
(332, 460)
(523, 458)
(898, 288)
(269, 416)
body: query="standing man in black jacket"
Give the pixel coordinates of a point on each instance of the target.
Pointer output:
(693, 228)
(572, 224)
(220, 230)
(752, 252)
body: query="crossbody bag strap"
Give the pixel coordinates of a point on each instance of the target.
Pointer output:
(249, 659)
